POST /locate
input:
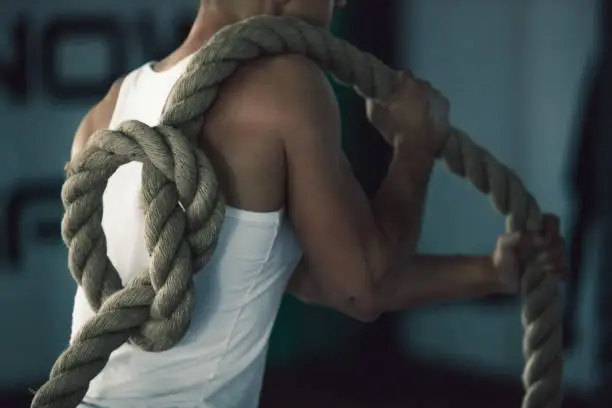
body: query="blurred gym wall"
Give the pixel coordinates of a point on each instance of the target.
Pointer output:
(514, 72)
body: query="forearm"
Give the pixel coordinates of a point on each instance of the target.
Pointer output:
(427, 279)
(399, 204)
(436, 278)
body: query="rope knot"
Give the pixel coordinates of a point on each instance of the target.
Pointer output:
(183, 214)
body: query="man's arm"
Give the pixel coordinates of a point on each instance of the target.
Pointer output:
(425, 279)
(349, 244)
(384, 232)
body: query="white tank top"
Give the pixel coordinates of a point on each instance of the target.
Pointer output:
(220, 361)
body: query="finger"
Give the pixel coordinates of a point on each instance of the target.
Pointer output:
(529, 241)
(509, 240)
(518, 240)
(527, 245)
(546, 241)
(556, 255)
(550, 258)
(553, 263)
(405, 83)
(517, 243)
(554, 244)
(556, 271)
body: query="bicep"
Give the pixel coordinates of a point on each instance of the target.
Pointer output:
(330, 212)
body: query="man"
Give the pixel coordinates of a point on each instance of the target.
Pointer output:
(296, 218)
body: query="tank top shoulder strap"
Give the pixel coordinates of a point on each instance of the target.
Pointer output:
(127, 85)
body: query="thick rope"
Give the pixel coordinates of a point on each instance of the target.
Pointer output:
(184, 213)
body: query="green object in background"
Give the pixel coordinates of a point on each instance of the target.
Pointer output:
(302, 331)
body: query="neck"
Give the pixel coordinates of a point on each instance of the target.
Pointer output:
(212, 16)
(208, 21)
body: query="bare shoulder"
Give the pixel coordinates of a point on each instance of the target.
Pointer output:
(97, 118)
(280, 93)
(264, 115)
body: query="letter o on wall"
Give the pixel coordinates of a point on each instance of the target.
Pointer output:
(107, 29)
